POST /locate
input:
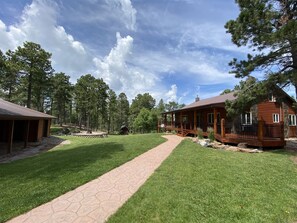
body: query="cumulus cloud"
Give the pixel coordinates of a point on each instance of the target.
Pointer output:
(127, 12)
(171, 94)
(120, 76)
(38, 23)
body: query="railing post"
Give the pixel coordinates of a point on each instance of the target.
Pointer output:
(260, 129)
(223, 131)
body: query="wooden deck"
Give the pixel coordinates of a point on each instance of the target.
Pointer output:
(234, 138)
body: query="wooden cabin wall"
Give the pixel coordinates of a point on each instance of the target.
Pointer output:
(267, 109)
(33, 131)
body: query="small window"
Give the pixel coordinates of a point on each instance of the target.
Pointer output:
(210, 118)
(275, 118)
(246, 118)
(271, 98)
(292, 120)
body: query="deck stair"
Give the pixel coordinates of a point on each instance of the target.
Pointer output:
(183, 132)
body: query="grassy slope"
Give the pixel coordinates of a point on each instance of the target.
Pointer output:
(205, 185)
(30, 182)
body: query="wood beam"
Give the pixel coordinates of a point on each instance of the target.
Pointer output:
(223, 130)
(195, 120)
(215, 126)
(260, 130)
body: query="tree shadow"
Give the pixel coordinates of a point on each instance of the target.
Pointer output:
(57, 162)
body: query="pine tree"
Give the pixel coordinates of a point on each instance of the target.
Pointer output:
(269, 27)
(35, 69)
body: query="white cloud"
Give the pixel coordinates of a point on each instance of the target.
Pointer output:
(38, 23)
(171, 94)
(120, 76)
(128, 12)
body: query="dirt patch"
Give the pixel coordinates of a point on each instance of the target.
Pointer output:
(34, 148)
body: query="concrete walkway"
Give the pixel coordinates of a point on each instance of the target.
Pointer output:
(100, 198)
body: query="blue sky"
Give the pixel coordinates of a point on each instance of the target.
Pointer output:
(173, 49)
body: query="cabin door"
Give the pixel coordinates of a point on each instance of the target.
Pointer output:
(198, 118)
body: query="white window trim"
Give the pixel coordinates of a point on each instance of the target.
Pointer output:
(275, 118)
(211, 119)
(244, 118)
(293, 123)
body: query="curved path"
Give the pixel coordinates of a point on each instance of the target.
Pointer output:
(98, 199)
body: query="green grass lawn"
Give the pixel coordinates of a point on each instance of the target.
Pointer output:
(30, 182)
(205, 185)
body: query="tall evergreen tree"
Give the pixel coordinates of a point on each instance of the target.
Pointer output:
(61, 96)
(35, 68)
(85, 99)
(112, 111)
(122, 111)
(9, 76)
(269, 27)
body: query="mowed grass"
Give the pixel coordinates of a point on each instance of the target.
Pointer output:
(205, 185)
(27, 183)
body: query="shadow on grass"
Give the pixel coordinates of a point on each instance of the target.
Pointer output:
(60, 161)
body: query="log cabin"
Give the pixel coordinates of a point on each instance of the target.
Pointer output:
(20, 124)
(265, 124)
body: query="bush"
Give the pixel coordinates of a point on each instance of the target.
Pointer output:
(210, 132)
(200, 133)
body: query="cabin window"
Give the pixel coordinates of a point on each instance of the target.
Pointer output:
(246, 118)
(210, 118)
(271, 98)
(275, 118)
(292, 120)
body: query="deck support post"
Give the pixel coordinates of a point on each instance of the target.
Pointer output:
(195, 121)
(260, 130)
(215, 126)
(158, 126)
(223, 133)
(171, 120)
(181, 122)
(10, 136)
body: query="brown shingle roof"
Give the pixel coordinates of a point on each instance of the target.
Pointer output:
(11, 110)
(211, 101)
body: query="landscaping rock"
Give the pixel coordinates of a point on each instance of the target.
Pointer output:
(242, 145)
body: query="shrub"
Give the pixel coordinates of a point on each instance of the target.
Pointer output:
(200, 133)
(210, 132)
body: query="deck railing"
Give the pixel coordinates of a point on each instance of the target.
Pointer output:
(259, 130)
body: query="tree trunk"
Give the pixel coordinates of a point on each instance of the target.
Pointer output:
(29, 92)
